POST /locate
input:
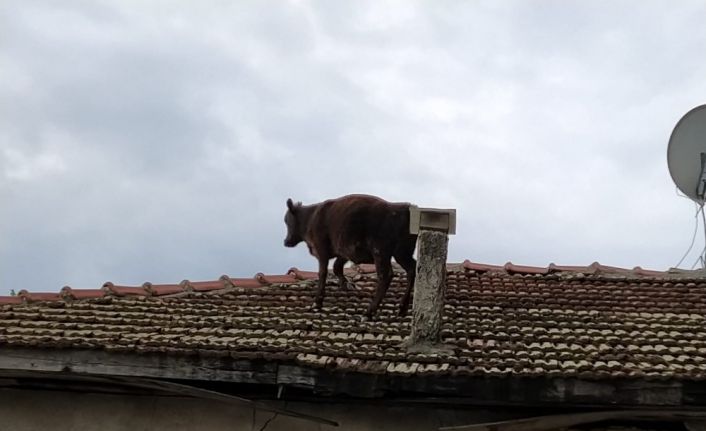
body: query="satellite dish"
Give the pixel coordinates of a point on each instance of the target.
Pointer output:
(686, 154)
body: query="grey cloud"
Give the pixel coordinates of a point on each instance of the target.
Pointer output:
(159, 142)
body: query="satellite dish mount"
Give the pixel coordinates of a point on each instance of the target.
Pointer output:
(701, 188)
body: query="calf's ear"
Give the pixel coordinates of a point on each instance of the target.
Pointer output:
(290, 204)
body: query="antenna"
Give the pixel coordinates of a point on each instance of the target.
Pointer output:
(686, 158)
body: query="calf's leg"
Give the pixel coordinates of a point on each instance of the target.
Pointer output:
(321, 290)
(383, 267)
(410, 266)
(338, 271)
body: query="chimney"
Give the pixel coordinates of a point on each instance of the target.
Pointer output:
(432, 225)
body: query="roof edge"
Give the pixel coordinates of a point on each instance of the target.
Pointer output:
(295, 275)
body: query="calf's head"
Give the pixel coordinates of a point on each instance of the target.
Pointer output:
(294, 222)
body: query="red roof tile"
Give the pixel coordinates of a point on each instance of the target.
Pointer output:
(272, 279)
(68, 292)
(348, 272)
(647, 272)
(244, 282)
(609, 269)
(570, 268)
(205, 286)
(472, 266)
(10, 300)
(365, 268)
(303, 275)
(162, 289)
(520, 269)
(124, 290)
(39, 296)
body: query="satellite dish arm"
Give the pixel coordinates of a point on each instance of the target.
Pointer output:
(701, 187)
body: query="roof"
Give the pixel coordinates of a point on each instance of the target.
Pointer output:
(590, 322)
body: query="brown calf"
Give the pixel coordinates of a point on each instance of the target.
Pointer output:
(359, 228)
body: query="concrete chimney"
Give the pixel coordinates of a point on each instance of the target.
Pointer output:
(432, 225)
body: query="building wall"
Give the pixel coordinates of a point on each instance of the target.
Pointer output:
(25, 410)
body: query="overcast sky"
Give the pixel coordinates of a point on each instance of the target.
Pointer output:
(158, 141)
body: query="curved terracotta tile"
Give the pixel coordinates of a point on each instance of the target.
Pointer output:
(275, 279)
(39, 296)
(245, 282)
(569, 268)
(303, 275)
(350, 272)
(124, 290)
(162, 289)
(69, 292)
(600, 268)
(521, 269)
(205, 286)
(365, 268)
(11, 300)
(467, 264)
(648, 272)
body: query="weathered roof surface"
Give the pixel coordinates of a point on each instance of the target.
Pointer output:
(590, 322)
